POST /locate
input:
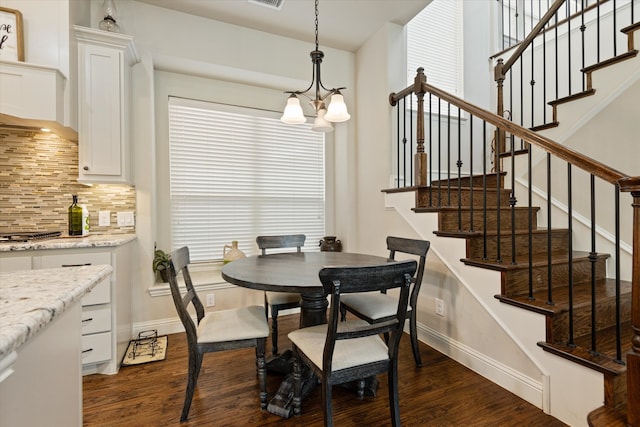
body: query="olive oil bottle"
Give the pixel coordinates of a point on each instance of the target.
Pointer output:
(75, 218)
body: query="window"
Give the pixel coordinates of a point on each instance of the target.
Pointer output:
(236, 173)
(434, 42)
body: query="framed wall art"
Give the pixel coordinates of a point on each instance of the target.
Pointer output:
(11, 39)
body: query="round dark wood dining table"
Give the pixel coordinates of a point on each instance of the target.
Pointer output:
(295, 272)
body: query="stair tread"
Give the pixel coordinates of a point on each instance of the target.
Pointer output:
(585, 357)
(608, 417)
(522, 261)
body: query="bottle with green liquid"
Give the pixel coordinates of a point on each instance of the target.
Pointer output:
(75, 218)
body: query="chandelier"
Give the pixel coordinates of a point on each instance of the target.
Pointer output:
(337, 109)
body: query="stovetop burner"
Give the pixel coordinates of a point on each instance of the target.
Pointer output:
(28, 236)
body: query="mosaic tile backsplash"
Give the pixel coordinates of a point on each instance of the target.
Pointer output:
(38, 176)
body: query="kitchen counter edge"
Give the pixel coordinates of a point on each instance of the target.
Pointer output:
(91, 241)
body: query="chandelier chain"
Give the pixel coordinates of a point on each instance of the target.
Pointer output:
(316, 24)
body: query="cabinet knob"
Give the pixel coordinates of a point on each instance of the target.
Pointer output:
(86, 168)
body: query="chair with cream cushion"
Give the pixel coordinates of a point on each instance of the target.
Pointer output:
(340, 352)
(279, 300)
(378, 307)
(217, 330)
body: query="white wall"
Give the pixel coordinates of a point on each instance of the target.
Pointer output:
(223, 63)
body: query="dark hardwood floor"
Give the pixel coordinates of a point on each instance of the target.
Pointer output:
(441, 393)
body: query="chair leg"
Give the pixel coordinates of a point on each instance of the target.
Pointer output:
(326, 402)
(394, 404)
(274, 329)
(413, 331)
(343, 313)
(261, 367)
(195, 361)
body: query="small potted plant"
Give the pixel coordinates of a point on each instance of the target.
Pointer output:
(161, 263)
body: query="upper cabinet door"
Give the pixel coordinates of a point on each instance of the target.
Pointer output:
(104, 69)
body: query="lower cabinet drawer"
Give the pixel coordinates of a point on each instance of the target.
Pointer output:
(96, 318)
(96, 348)
(100, 294)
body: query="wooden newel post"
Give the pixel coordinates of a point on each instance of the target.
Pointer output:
(633, 357)
(420, 158)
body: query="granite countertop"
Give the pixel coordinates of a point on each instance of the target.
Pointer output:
(65, 242)
(31, 299)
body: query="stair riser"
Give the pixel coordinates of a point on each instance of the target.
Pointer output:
(491, 180)
(615, 390)
(448, 220)
(605, 317)
(476, 246)
(443, 197)
(516, 282)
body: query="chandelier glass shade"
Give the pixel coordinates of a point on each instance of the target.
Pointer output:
(337, 109)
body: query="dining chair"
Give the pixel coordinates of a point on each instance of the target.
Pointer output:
(279, 300)
(340, 352)
(378, 307)
(214, 331)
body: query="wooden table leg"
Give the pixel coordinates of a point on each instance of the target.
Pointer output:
(313, 309)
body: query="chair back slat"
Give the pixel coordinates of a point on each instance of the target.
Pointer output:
(178, 263)
(281, 241)
(412, 247)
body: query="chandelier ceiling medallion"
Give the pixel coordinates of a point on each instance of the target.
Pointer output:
(337, 110)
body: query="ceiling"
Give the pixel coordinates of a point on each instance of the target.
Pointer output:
(343, 24)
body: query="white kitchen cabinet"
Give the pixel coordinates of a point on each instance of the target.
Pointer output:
(104, 69)
(106, 309)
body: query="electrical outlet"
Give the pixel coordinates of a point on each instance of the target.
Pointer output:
(211, 300)
(104, 218)
(439, 307)
(125, 219)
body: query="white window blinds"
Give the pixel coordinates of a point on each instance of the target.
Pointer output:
(434, 42)
(236, 173)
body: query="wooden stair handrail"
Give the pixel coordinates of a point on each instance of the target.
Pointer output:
(532, 35)
(588, 164)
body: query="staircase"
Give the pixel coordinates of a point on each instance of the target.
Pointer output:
(590, 305)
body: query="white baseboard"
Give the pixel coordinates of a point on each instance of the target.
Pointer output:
(525, 387)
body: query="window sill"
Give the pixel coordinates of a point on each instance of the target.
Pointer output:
(205, 277)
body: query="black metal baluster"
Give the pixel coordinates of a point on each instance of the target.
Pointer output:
(582, 30)
(398, 145)
(597, 32)
(459, 166)
(439, 152)
(569, 45)
(530, 220)
(555, 41)
(512, 202)
(618, 314)
(430, 180)
(471, 228)
(498, 211)
(404, 141)
(593, 257)
(549, 275)
(532, 83)
(448, 154)
(411, 136)
(570, 249)
(544, 74)
(484, 190)
(615, 39)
